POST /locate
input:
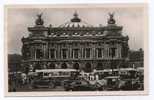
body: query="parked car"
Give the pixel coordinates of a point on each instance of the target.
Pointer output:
(130, 84)
(80, 85)
(43, 83)
(112, 82)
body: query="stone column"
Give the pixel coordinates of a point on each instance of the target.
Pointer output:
(93, 50)
(81, 52)
(44, 54)
(70, 52)
(120, 52)
(35, 53)
(31, 52)
(73, 53)
(96, 56)
(58, 51)
(55, 54)
(102, 52)
(90, 52)
(49, 52)
(67, 53)
(107, 53)
(116, 51)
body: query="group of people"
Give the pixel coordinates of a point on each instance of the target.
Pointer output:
(17, 80)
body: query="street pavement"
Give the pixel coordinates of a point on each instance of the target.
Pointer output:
(26, 89)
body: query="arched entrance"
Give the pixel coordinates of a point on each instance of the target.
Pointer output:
(38, 66)
(51, 66)
(88, 68)
(76, 66)
(64, 66)
(99, 66)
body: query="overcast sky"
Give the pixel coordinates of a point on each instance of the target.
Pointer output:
(18, 19)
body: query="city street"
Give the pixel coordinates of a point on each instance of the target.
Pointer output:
(25, 89)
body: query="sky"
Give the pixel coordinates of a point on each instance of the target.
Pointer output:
(19, 19)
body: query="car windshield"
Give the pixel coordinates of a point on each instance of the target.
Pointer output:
(43, 79)
(84, 83)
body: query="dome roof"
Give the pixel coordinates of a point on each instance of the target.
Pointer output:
(75, 22)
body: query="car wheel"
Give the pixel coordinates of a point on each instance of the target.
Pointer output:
(34, 87)
(70, 90)
(51, 85)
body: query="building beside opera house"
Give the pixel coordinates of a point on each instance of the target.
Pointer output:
(75, 45)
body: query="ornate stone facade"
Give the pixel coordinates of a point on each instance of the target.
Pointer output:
(75, 44)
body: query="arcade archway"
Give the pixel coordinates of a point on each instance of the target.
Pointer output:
(51, 66)
(99, 66)
(76, 66)
(88, 68)
(64, 66)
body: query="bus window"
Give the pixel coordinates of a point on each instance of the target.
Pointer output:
(40, 74)
(46, 74)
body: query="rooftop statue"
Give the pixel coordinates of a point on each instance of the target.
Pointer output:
(39, 20)
(76, 18)
(111, 20)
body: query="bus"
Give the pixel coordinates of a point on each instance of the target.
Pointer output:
(53, 76)
(55, 73)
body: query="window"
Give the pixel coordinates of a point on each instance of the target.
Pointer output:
(112, 52)
(99, 66)
(99, 53)
(52, 53)
(39, 53)
(76, 53)
(88, 53)
(64, 53)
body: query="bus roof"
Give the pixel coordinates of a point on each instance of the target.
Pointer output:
(126, 69)
(120, 69)
(55, 70)
(112, 77)
(140, 69)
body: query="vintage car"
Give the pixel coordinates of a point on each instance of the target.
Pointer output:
(43, 83)
(130, 84)
(80, 85)
(112, 83)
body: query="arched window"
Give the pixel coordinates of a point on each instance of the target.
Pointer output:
(76, 66)
(64, 66)
(88, 67)
(99, 66)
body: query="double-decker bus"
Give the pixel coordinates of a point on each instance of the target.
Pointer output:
(56, 73)
(48, 77)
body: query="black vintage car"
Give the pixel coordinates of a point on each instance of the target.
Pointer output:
(79, 85)
(43, 83)
(131, 84)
